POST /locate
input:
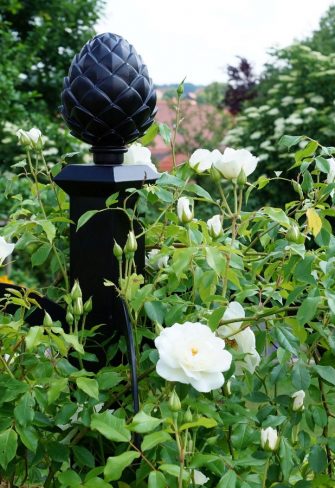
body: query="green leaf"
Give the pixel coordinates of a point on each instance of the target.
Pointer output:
(199, 191)
(49, 229)
(28, 436)
(56, 388)
(24, 412)
(277, 215)
(155, 311)
(242, 436)
(157, 480)
(273, 421)
(200, 422)
(308, 309)
(289, 141)
(99, 483)
(89, 386)
(69, 479)
(327, 373)
(34, 337)
(322, 164)
(317, 459)
(151, 440)
(216, 260)
(306, 152)
(83, 457)
(286, 457)
(286, 339)
(83, 219)
(174, 470)
(116, 464)
(70, 339)
(143, 423)
(8, 447)
(165, 132)
(228, 480)
(307, 182)
(301, 378)
(112, 199)
(40, 255)
(164, 195)
(150, 134)
(181, 259)
(110, 427)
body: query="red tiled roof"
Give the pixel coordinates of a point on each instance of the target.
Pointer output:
(194, 121)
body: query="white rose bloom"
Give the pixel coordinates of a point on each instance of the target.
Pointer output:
(184, 210)
(245, 340)
(234, 160)
(269, 439)
(5, 249)
(298, 400)
(199, 478)
(214, 225)
(138, 154)
(190, 353)
(156, 262)
(201, 160)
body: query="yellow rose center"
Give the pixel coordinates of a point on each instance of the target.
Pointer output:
(194, 351)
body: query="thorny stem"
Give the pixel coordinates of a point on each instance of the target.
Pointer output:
(181, 450)
(325, 428)
(51, 181)
(6, 366)
(265, 475)
(53, 247)
(175, 132)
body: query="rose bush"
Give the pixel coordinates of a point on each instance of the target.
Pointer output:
(234, 326)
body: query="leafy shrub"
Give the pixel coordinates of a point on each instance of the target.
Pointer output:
(261, 408)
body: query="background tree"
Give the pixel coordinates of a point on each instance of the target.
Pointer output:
(241, 86)
(295, 95)
(38, 42)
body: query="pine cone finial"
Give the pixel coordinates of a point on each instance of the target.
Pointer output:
(108, 99)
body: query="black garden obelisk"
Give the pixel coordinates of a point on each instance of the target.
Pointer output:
(108, 101)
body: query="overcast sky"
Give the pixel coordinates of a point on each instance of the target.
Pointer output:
(197, 39)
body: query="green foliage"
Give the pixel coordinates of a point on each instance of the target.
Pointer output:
(38, 42)
(64, 426)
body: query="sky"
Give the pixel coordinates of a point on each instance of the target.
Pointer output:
(197, 39)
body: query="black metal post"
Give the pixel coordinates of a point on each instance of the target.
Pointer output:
(108, 101)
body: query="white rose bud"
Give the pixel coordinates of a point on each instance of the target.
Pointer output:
(214, 225)
(31, 138)
(184, 210)
(234, 161)
(269, 439)
(36, 138)
(23, 137)
(298, 400)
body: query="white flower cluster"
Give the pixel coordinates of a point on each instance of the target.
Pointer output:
(230, 164)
